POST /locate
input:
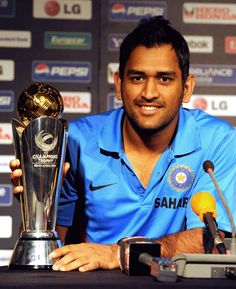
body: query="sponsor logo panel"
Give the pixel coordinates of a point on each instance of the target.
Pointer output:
(63, 9)
(113, 102)
(6, 226)
(7, 8)
(76, 101)
(6, 100)
(209, 13)
(5, 133)
(61, 71)
(67, 40)
(112, 68)
(15, 38)
(114, 41)
(7, 70)
(5, 195)
(4, 163)
(199, 44)
(230, 44)
(213, 75)
(5, 256)
(134, 10)
(217, 105)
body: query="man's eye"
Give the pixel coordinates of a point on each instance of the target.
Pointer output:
(137, 78)
(165, 79)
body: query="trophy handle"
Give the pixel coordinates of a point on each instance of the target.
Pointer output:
(65, 123)
(17, 130)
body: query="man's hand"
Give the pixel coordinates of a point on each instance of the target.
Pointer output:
(85, 257)
(17, 174)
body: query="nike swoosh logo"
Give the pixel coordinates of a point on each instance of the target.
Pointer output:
(95, 188)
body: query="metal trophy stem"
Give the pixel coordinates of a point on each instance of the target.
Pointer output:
(40, 144)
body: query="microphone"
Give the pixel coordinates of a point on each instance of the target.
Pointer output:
(208, 167)
(141, 256)
(163, 269)
(204, 205)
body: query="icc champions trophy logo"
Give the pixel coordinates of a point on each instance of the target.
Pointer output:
(41, 140)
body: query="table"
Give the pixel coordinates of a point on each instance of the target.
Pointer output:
(99, 279)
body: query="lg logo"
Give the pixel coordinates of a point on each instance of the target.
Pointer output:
(53, 8)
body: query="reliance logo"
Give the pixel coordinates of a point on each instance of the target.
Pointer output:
(214, 74)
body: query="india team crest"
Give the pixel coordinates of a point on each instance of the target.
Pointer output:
(181, 177)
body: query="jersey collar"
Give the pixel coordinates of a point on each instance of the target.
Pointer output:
(187, 138)
(110, 138)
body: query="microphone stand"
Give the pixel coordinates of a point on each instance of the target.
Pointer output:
(209, 170)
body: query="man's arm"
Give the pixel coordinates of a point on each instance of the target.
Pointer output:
(189, 241)
(62, 231)
(90, 256)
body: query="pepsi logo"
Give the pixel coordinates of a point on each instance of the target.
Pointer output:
(42, 69)
(118, 8)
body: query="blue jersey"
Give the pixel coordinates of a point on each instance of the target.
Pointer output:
(111, 201)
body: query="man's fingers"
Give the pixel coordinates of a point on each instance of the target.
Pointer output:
(89, 267)
(57, 253)
(15, 175)
(66, 168)
(14, 164)
(17, 190)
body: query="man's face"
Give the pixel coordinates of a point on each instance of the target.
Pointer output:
(152, 89)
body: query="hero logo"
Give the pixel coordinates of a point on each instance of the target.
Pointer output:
(134, 11)
(41, 141)
(64, 71)
(5, 133)
(210, 13)
(76, 102)
(63, 9)
(230, 44)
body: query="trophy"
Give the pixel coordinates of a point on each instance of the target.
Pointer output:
(40, 140)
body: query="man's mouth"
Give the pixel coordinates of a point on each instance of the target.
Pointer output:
(149, 107)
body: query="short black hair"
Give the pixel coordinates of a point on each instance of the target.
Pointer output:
(151, 32)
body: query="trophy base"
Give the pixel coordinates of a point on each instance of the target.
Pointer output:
(32, 250)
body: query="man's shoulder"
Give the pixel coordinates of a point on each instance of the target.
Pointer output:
(94, 123)
(206, 121)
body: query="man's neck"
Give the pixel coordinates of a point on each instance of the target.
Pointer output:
(146, 141)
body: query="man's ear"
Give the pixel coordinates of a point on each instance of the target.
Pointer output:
(188, 88)
(117, 82)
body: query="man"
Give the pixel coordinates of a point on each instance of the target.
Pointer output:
(133, 170)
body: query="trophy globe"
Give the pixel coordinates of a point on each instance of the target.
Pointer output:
(38, 100)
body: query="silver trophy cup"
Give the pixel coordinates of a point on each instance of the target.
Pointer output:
(40, 143)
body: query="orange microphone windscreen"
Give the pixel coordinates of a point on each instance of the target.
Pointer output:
(202, 203)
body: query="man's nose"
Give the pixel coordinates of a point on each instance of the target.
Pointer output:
(150, 89)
